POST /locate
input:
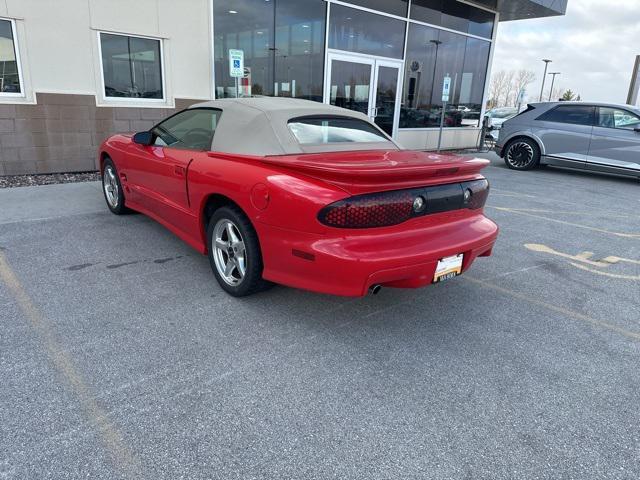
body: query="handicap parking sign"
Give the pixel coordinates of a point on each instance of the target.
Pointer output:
(236, 63)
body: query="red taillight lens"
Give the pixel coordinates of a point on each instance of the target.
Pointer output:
(384, 209)
(478, 193)
(365, 211)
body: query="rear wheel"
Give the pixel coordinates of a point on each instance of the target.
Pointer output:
(522, 154)
(234, 252)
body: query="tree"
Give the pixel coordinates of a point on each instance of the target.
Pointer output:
(510, 89)
(497, 88)
(569, 96)
(505, 87)
(522, 79)
(556, 94)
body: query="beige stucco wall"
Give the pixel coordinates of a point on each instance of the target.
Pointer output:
(59, 43)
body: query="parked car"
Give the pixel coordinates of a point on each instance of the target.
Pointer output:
(590, 136)
(302, 194)
(497, 116)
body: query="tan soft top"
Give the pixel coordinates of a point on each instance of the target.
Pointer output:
(258, 126)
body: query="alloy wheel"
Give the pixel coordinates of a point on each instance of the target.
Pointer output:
(229, 252)
(110, 185)
(520, 155)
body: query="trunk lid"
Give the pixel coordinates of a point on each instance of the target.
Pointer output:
(377, 170)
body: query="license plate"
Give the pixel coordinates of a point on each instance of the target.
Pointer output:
(447, 268)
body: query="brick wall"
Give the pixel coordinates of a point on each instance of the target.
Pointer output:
(62, 132)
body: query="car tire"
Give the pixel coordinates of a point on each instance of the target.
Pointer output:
(112, 188)
(234, 252)
(522, 154)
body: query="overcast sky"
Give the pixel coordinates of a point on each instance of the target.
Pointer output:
(594, 46)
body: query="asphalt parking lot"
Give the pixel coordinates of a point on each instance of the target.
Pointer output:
(120, 357)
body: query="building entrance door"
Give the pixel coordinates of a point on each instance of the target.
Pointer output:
(365, 84)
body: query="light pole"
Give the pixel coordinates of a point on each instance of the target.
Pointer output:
(544, 77)
(437, 43)
(553, 81)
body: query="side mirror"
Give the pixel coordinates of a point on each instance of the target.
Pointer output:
(143, 138)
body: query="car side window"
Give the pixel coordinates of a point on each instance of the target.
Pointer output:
(191, 129)
(609, 117)
(573, 114)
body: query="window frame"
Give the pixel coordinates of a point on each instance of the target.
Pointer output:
(625, 110)
(129, 100)
(183, 111)
(557, 107)
(16, 49)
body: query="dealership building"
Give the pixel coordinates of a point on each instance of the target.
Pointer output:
(73, 72)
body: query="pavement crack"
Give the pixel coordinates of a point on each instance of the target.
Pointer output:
(82, 266)
(119, 265)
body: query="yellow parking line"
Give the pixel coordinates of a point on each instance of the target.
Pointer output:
(63, 362)
(572, 224)
(554, 308)
(606, 274)
(594, 214)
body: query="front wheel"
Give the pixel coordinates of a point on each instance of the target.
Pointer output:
(234, 252)
(522, 154)
(112, 188)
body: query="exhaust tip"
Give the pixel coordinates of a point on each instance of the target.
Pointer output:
(375, 289)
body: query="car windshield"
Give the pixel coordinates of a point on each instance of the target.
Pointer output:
(323, 130)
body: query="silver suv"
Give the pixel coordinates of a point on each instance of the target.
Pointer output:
(590, 136)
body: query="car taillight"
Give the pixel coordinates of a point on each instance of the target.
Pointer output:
(476, 193)
(373, 210)
(384, 209)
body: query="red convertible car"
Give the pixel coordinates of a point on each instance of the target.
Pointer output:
(301, 194)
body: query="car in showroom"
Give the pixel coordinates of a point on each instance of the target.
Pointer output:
(302, 194)
(588, 136)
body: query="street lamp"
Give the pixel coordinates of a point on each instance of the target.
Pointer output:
(553, 80)
(437, 43)
(544, 77)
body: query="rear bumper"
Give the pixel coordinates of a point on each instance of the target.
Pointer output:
(349, 263)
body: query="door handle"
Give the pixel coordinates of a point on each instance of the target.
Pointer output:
(178, 170)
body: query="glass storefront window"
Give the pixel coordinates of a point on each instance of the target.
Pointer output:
(454, 15)
(428, 11)
(283, 44)
(132, 67)
(9, 78)
(364, 32)
(350, 85)
(245, 25)
(299, 54)
(432, 54)
(395, 7)
(481, 23)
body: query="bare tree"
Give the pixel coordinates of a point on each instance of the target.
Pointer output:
(497, 88)
(510, 90)
(522, 79)
(505, 87)
(556, 94)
